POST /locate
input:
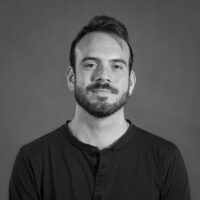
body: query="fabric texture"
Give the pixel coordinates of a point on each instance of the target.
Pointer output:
(139, 165)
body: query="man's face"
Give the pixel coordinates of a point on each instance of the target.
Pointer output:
(102, 74)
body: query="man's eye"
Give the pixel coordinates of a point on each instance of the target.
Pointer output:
(117, 67)
(90, 65)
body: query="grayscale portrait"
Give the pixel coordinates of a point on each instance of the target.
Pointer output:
(100, 100)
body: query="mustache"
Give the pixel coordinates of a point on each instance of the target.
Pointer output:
(100, 85)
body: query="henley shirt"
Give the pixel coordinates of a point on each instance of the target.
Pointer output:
(138, 166)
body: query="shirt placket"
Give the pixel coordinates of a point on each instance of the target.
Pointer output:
(100, 176)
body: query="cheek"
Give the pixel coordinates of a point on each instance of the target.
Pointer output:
(123, 84)
(82, 80)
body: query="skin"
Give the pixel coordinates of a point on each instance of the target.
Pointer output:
(104, 58)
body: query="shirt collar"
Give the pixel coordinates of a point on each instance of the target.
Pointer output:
(116, 146)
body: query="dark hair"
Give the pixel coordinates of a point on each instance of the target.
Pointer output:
(102, 24)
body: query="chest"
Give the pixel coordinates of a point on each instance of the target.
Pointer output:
(100, 176)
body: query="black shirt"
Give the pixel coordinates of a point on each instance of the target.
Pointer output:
(138, 166)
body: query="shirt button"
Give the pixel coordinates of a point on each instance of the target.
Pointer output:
(99, 181)
(103, 165)
(98, 197)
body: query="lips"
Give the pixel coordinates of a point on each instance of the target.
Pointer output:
(101, 90)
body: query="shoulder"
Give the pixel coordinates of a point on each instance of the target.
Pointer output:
(50, 142)
(164, 161)
(151, 139)
(155, 146)
(158, 152)
(39, 154)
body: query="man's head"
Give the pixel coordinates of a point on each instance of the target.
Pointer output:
(101, 67)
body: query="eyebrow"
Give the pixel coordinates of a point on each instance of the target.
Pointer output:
(120, 60)
(89, 58)
(97, 59)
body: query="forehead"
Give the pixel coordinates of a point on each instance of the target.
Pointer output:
(102, 45)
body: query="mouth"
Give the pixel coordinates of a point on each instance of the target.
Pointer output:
(101, 90)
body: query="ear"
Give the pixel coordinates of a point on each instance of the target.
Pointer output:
(70, 78)
(132, 82)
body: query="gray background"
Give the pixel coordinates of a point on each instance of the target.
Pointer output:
(34, 45)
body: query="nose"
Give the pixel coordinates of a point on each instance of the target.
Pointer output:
(102, 74)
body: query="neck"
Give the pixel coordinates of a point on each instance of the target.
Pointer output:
(99, 132)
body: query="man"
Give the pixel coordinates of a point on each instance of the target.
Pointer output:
(99, 154)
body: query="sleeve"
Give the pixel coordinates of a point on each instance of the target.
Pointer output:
(22, 182)
(175, 178)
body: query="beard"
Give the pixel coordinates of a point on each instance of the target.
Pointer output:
(100, 108)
